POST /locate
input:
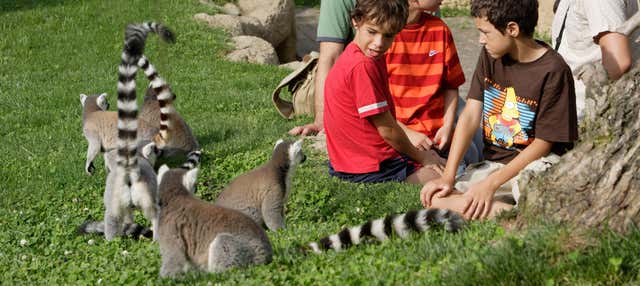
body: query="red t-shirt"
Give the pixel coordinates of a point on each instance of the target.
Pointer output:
(356, 88)
(422, 62)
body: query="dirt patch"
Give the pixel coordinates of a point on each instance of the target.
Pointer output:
(465, 36)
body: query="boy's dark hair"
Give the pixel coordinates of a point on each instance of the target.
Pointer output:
(390, 14)
(500, 13)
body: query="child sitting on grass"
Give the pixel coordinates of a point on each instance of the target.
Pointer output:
(523, 94)
(364, 141)
(424, 75)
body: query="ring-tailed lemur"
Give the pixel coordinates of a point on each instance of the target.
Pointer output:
(174, 136)
(130, 228)
(194, 234)
(262, 192)
(383, 228)
(131, 181)
(158, 120)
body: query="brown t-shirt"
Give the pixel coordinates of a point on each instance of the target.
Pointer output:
(523, 101)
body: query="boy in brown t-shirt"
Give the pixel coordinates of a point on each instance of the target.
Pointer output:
(523, 94)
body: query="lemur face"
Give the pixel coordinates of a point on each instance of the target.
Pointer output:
(296, 156)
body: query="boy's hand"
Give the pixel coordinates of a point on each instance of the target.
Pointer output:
(419, 139)
(439, 188)
(307, 129)
(479, 198)
(443, 137)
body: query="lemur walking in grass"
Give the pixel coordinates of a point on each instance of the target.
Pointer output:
(384, 228)
(158, 120)
(262, 192)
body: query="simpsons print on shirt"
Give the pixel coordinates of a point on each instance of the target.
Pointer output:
(507, 119)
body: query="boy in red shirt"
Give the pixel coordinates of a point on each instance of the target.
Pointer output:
(364, 141)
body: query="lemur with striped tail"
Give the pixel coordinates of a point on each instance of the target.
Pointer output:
(158, 120)
(383, 228)
(131, 229)
(131, 182)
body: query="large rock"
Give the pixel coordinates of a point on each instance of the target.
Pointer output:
(254, 50)
(271, 20)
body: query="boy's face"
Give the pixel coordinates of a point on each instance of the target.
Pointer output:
(425, 5)
(373, 40)
(496, 43)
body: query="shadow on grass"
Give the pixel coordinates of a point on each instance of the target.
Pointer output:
(17, 5)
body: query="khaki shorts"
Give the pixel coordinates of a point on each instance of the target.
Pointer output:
(479, 171)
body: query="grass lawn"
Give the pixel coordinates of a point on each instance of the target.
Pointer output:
(51, 51)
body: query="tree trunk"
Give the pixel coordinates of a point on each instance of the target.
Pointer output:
(597, 184)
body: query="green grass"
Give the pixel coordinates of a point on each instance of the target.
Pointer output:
(54, 50)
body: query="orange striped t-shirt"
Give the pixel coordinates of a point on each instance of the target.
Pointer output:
(421, 63)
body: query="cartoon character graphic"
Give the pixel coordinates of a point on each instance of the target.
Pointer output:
(506, 125)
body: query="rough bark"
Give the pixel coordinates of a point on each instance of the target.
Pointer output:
(597, 183)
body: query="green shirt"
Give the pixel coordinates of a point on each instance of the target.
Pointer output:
(334, 24)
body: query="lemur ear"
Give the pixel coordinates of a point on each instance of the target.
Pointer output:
(161, 172)
(104, 94)
(102, 100)
(83, 98)
(278, 143)
(189, 180)
(149, 150)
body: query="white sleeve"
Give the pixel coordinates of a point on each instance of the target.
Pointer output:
(604, 15)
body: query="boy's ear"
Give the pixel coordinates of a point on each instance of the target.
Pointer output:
(354, 23)
(513, 29)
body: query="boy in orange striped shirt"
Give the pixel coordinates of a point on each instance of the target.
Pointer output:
(424, 76)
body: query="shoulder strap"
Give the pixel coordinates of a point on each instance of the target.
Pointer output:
(564, 22)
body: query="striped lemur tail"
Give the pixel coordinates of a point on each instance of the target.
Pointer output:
(165, 99)
(134, 42)
(383, 228)
(134, 230)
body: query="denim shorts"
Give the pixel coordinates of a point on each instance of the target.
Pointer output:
(391, 170)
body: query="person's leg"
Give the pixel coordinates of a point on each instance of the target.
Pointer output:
(474, 152)
(423, 175)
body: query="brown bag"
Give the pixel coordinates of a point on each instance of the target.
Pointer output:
(300, 83)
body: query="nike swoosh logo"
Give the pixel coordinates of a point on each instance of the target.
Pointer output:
(432, 53)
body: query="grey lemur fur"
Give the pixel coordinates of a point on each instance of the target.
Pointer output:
(262, 192)
(131, 229)
(194, 234)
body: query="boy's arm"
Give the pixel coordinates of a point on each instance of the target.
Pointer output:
(480, 195)
(468, 124)
(329, 53)
(418, 139)
(444, 134)
(616, 54)
(393, 134)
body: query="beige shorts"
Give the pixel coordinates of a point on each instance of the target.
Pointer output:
(479, 171)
